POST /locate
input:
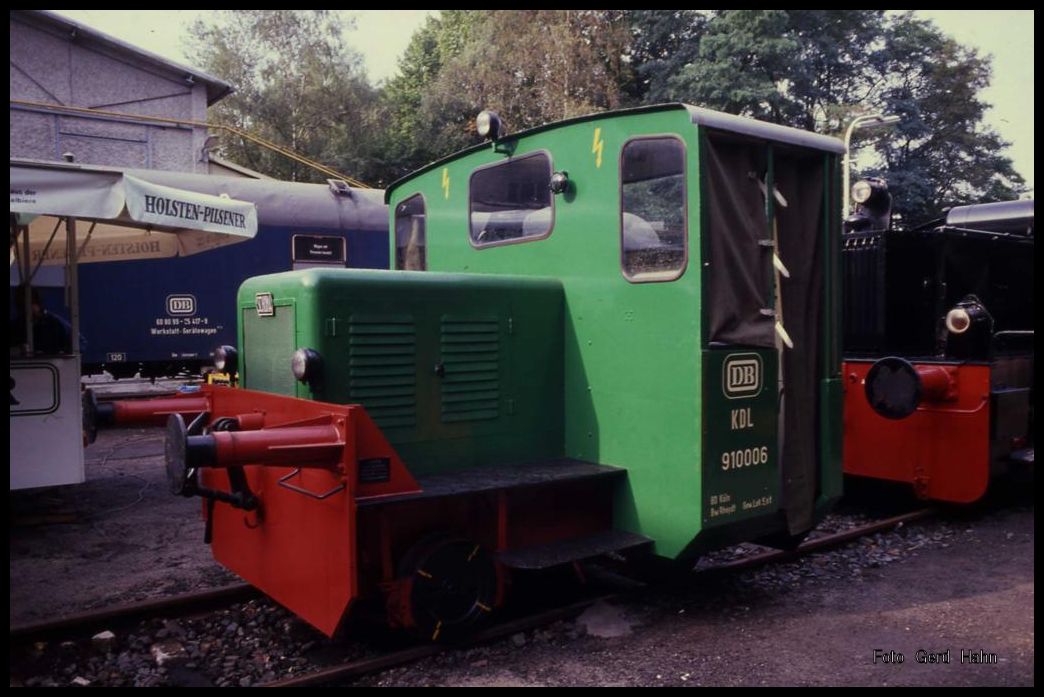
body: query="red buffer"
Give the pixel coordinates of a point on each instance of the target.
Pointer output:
(310, 503)
(924, 424)
(281, 479)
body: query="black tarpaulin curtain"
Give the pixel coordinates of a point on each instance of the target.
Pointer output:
(800, 238)
(739, 287)
(737, 278)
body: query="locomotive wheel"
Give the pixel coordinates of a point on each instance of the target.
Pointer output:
(449, 584)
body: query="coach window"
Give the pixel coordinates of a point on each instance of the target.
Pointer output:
(511, 201)
(410, 248)
(652, 209)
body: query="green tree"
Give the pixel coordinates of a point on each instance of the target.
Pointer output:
(407, 139)
(818, 69)
(663, 43)
(297, 84)
(941, 154)
(786, 66)
(531, 66)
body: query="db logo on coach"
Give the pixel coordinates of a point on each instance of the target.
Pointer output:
(181, 305)
(741, 375)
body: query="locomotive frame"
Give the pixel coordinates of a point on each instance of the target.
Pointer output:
(620, 335)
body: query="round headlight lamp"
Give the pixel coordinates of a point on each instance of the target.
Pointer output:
(958, 320)
(306, 364)
(862, 191)
(488, 124)
(226, 359)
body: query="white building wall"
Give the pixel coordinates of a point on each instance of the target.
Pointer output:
(51, 66)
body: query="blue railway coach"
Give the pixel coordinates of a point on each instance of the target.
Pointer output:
(161, 316)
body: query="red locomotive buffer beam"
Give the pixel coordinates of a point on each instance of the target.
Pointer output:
(282, 478)
(927, 425)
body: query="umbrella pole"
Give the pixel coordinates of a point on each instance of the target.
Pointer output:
(74, 285)
(27, 305)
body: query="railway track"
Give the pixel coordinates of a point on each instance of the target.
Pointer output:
(356, 668)
(142, 391)
(84, 625)
(822, 542)
(137, 388)
(87, 623)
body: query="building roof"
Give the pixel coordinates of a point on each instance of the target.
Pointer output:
(85, 35)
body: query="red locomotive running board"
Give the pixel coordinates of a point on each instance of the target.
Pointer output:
(942, 449)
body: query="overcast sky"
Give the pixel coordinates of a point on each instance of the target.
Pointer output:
(382, 35)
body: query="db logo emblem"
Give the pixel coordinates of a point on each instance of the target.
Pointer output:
(181, 305)
(741, 375)
(264, 305)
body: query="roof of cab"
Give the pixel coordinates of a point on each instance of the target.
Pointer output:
(699, 116)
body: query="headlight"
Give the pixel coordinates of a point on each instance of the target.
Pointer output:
(488, 124)
(226, 359)
(862, 191)
(958, 320)
(968, 313)
(306, 365)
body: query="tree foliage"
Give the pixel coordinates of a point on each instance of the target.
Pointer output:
(530, 66)
(297, 84)
(941, 154)
(818, 69)
(663, 43)
(409, 139)
(300, 85)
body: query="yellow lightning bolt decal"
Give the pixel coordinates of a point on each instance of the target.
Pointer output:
(596, 147)
(445, 181)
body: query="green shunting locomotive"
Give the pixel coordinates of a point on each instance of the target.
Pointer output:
(609, 334)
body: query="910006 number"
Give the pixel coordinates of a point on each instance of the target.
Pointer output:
(747, 457)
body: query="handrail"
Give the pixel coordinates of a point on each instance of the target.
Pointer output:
(1001, 336)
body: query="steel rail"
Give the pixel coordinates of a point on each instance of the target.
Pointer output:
(373, 664)
(356, 668)
(821, 543)
(96, 620)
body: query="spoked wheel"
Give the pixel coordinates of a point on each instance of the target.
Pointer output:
(449, 585)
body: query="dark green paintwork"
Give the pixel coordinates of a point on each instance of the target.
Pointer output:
(458, 371)
(548, 350)
(741, 471)
(268, 343)
(632, 352)
(634, 370)
(832, 390)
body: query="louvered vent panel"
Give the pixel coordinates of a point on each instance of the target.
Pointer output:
(382, 365)
(471, 356)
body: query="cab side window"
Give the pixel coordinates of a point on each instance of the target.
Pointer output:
(511, 201)
(652, 209)
(410, 247)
